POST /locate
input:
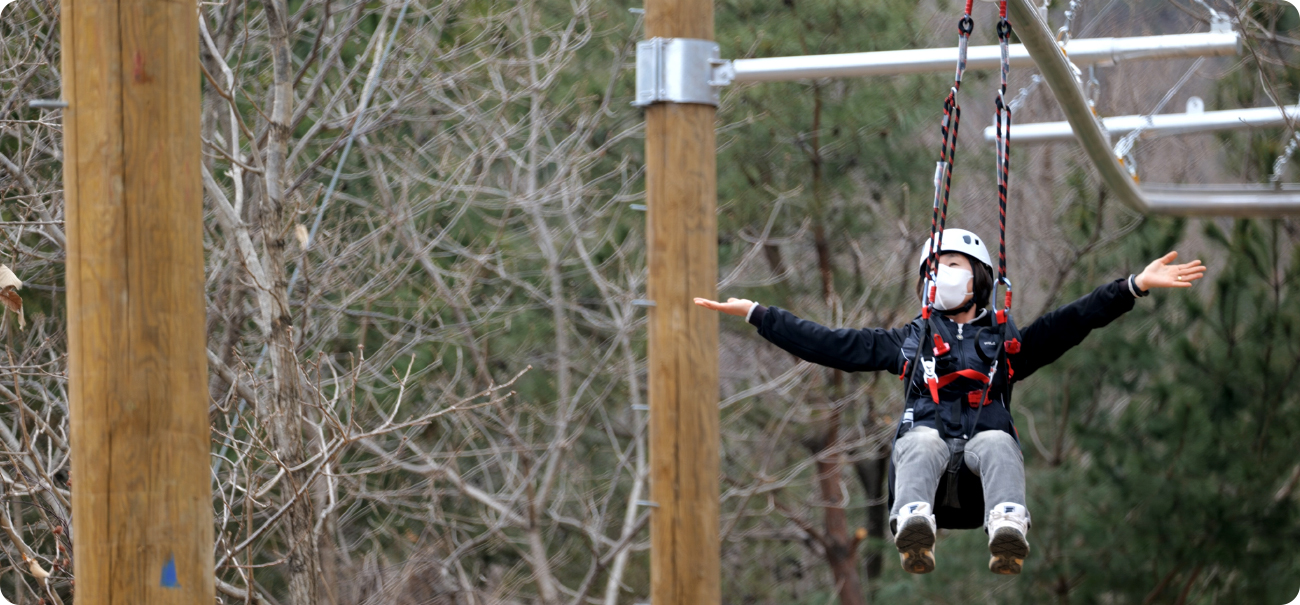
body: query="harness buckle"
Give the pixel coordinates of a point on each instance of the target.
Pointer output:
(1012, 346)
(931, 378)
(940, 347)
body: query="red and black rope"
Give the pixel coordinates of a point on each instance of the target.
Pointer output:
(947, 156)
(1002, 126)
(942, 189)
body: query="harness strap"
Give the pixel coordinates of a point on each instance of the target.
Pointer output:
(975, 398)
(948, 379)
(940, 382)
(956, 460)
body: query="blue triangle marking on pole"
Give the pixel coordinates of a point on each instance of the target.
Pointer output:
(169, 573)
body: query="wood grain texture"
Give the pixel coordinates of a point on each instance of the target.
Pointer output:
(682, 240)
(679, 19)
(137, 362)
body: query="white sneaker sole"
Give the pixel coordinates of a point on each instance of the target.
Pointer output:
(915, 542)
(1009, 549)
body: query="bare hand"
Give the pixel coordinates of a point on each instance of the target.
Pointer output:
(1161, 274)
(734, 306)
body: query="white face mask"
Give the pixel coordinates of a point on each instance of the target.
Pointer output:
(953, 287)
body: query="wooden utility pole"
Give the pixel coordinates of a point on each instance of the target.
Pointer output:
(682, 235)
(137, 367)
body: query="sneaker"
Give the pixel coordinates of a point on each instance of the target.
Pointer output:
(1007, 525)
(915, 538)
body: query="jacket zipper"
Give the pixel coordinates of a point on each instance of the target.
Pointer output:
(961, 361)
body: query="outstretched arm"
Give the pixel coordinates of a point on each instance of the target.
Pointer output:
(843, 349)
(1058, 331)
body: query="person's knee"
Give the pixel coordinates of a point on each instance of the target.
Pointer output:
(921, 440)
(996, 440)
(991, 446)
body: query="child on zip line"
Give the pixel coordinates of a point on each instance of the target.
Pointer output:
(955, 441)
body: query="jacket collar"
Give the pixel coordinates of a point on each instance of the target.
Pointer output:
(981, 319)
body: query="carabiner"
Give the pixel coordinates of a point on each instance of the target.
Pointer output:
(1006, 307)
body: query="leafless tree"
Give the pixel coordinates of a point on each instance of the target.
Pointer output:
(423, 249)
(452, 193)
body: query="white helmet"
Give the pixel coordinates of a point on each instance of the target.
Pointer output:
(959, 240)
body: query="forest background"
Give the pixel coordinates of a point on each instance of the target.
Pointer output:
(447, 204)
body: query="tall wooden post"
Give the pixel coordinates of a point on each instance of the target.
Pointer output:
(682, 235)
(141, 494)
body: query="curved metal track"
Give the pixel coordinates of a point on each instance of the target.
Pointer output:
(1178, 200)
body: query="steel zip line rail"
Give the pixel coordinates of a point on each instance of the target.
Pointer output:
(1085, 51)
(1165, 124)
(1215, 200)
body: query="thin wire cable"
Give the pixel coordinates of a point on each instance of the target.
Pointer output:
(1279, 165)
(352, 135)
(1021, 98)
(1096, 19)
(365, 97)
(1125, 145)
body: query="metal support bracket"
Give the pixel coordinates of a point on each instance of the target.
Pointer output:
(680, 70)
(1220, 23)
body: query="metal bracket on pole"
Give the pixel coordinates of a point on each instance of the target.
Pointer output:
(679, 70)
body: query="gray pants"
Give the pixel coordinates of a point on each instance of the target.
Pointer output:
(921, 457)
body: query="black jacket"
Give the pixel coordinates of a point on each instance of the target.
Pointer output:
(873, 349)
